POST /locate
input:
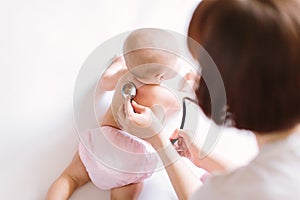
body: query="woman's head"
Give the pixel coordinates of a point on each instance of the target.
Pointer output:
(150, 54)
(256, 47)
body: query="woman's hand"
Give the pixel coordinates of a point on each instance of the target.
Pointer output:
(140, 120)
(189, 145)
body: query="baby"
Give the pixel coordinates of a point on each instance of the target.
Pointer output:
(124, 160)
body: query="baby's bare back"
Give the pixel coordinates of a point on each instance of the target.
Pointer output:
(147, 95)
(109, 118)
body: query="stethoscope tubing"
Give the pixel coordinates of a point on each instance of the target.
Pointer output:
(183, 114)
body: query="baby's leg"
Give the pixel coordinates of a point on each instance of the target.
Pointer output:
(127, 192)
(74, 176)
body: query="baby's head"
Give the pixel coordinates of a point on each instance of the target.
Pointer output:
(150, 55)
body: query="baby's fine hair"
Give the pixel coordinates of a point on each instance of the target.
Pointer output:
(153, 38)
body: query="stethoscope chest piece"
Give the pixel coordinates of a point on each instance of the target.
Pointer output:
(129, 89)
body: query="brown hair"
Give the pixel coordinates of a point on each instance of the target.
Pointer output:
(256, 47)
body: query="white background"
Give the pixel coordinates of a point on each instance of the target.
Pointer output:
(42, 46)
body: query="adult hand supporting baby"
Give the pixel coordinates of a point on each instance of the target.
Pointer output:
(139, 120)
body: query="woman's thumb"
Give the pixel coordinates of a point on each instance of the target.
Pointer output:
(137, 108)
(175, 135)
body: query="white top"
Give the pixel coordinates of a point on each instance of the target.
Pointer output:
(273, 175)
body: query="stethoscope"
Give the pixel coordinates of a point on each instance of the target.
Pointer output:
(129, 89)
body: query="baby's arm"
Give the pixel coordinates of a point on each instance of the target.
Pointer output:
(74, 176)
(112, 74)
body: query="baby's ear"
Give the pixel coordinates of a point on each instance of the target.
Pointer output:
(160, 113)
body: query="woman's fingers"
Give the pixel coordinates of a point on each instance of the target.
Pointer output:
(136, 113)
(129, 111)
(192, 142)
(138, 120)
(184, 135)
(137, 108)
(175, 134)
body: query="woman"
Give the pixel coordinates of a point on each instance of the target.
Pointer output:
(256, 47)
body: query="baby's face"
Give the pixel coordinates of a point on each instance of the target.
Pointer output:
(152, 66)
